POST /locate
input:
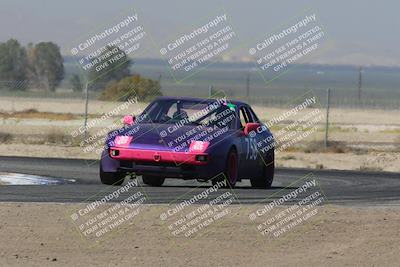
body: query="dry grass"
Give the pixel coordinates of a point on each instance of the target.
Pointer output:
(319, 147)
(397, 143)
(56, 137)
(53, 137)
(5, 138)
(288, 157)
(370, 168)
(60, 138)
(319, 166)
(392, 131)
(35, 114)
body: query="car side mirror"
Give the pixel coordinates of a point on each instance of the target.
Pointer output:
(249, 127)
(129, 119)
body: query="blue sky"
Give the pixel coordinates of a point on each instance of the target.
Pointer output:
(359, 32)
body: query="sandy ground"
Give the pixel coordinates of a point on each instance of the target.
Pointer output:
(35, 234)
(77, 106)
(372, 161)
(375, 131)
(62, 105)
(354, 134)
(347, 125)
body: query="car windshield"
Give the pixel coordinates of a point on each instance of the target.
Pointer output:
(189, 112)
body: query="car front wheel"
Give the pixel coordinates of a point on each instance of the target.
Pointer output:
(231, 170)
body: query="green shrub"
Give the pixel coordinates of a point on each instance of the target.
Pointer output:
(133, 86)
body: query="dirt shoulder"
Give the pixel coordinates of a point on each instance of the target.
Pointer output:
(371, 161)
(35, 234)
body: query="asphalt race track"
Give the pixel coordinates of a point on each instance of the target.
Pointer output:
(339, 187)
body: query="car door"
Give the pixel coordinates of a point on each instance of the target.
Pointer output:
(249, 155)
(263, 137)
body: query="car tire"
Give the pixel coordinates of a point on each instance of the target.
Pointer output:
(231, 170)
(111, 178)
(267, 178)
(153, 180)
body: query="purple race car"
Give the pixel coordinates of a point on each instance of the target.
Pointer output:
(191, 138)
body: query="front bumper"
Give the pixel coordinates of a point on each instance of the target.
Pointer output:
(167, 164)
(188, 158)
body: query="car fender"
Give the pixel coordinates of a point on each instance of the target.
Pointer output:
(108, 164)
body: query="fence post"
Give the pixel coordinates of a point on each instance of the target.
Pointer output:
(328, 96)
(210, 89)
(86, 108)
(248, 85)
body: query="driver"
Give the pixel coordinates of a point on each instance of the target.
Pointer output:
(180, 115)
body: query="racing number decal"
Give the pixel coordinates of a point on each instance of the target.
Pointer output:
(251, 152)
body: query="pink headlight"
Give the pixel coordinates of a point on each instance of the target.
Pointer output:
(198, 146)
(128, 120)
(122, 140)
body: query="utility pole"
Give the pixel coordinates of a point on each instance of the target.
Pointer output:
(359, 82)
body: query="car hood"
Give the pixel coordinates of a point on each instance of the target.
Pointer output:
(166, 137)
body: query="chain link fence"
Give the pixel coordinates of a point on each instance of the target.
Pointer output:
(246, 85)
